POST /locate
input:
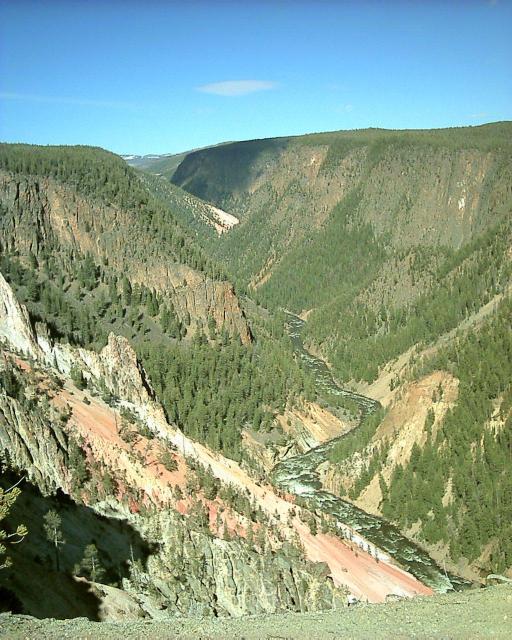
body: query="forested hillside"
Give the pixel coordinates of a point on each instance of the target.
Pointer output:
(453, 486)
(472, 447)
(91, 250)
(104, 178)
(388, 238)
(395, 245)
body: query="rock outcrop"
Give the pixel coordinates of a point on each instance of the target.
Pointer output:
(34, 443)
(220, 577)
(15, 326)
(55, 433)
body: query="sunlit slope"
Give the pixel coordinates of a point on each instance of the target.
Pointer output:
(372, 221)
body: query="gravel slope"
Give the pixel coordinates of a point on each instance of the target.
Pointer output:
(483, 613)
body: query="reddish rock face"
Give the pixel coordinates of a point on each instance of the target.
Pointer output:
(43, 449)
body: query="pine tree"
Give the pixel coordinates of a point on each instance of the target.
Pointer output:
(78, 377)
(90, 566)
(52, 526)
(7, 499)
(127, 291)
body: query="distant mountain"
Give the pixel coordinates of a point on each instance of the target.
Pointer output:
(148, 161)
(164, 164)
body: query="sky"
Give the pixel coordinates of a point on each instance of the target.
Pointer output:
(154, 76)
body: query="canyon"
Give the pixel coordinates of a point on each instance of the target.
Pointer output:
(249, 387)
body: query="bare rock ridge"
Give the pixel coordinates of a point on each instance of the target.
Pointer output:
(116, 364)
(120, 365)
(35, 445)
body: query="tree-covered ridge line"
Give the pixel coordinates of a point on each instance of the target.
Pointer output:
(233, 161)
(211, 386)
(92, 171)
(494, 136)
(486, 137)
(100, 176)
(490, 135)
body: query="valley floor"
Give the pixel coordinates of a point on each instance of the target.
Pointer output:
(481, 613)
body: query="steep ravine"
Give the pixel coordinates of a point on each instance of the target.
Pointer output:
(298, 475)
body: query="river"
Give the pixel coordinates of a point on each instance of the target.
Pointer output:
(298, 475)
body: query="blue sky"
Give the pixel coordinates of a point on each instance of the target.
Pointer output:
(156, 77)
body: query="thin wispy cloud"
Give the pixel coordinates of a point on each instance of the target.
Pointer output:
(237, 87)
(29, 97)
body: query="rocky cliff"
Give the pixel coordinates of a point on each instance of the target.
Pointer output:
(70, 440)
(34, 443)
(15, 327)
(197, 574)
(39, 214)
